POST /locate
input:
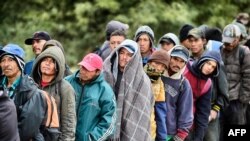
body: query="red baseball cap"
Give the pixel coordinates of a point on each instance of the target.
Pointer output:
(92, 62)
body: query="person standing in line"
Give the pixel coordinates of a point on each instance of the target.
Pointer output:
(123, 70)
(55, 43)
(183, 35)
(144, 36)
(8, 118)
(168, 41)
(28, 99)
(37, 42)
(95, 100)
(199, 73)
(116, 38)
(155, 68)
(220, 99)
(112, 26)
(236, 59)
(48, 72)
(179, 98)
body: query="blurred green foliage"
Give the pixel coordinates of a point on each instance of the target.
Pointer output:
(80, 25)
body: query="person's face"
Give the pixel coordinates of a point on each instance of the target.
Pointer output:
(159, 67)
(9, 67)
(124, 57)
(231, 46)
(86, 75)
(196, 45)
(115, 41)
(167, 46)
(186, 44)
(48, 66)
(144, 43)
(208, 67)
(37, 46)
(176, 64)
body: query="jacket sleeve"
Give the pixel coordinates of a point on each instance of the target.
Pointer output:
(68, 112)
(31, 116)
(203, 106)
(161, 120)
(8, 120)
(220, 83)
(245, 78)
(106, 124)
(185, 111)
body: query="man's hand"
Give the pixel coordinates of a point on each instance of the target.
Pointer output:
(213, 115)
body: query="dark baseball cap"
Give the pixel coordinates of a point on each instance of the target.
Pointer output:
(39, 35)
(180, 51)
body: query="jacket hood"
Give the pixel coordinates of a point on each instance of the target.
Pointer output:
(171, 36)
(113, 58)
(145, 30)
(208, 55)
(54, 43)
(55, 53)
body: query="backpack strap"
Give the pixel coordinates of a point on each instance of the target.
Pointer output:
(58, 92)
(52, 119)
(241, 54)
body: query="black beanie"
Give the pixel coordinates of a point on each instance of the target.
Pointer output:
(183, 34)
(214, 34)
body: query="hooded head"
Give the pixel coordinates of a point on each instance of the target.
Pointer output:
(130, 45)
(207, 56)
(57, 55)
(53, 43)
(170, 37)
(145, 30)
(14, 51)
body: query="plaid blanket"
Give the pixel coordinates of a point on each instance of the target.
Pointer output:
(135, 98)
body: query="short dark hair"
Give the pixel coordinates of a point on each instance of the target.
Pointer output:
(118, 33)
(214, 33)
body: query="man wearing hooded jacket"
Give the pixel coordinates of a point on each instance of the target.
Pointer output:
(48, 72)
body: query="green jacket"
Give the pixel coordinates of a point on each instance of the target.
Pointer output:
(95, 108)
(61, 90)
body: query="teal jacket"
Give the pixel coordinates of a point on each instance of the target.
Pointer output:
(95, 108)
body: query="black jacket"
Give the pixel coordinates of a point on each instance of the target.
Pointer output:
(8, 118)
(30, 106)
(220, 97)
